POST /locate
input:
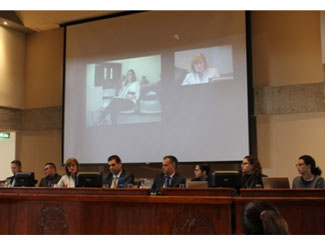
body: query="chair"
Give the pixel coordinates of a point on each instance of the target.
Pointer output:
(148, 101)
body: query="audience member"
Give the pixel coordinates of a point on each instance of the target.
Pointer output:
(16, 166)
(51, 177)
(310, 174)
(262, 218)
(117, 177)
(71, 169)
(201, 172)
(251, 172)
(169, 177)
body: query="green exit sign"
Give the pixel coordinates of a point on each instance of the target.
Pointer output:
(4, 135)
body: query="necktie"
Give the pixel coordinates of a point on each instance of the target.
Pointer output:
(167, 181)
(114, 183)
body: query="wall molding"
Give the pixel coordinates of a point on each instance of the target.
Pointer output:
(30, 119)
(10, 119)
(302, 98)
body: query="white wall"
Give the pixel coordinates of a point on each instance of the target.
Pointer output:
(7, 152)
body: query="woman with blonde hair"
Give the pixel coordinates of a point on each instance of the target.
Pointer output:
(201, 73)
(71, 169)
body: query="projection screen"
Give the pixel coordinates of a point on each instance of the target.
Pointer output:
(157, 83)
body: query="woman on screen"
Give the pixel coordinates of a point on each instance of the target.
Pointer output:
(126, 99)
(263, 218)
(251, 172)
(310, 174)
(201, 73)
(71, 169)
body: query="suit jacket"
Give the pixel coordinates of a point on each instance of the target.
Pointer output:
(160, 180)
(49, 181)
(128, 178)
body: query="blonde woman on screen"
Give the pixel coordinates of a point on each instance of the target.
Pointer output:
(201, 73)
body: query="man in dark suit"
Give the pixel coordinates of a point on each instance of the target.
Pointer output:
(169, 177)
(117, 177)
(15, 168)
(51, 177)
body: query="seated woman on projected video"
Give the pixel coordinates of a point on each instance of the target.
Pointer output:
(201, 73)
(126, 99)
(251, 172)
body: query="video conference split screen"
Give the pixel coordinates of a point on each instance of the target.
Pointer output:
(157, 83)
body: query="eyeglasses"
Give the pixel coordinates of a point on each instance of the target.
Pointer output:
(245, 163)
(46, 169)
(300, 164)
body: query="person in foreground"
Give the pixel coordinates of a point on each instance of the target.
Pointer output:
(117, 177)
(310, 174)
(71, 169)
(262, 218)
(201, 172)
(251, 172)
(51, 177)
(169, 177)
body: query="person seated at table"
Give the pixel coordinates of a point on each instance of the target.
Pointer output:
(251, 172)
(201, 72)
(169, 177)
(117, 177)
(16, 167)
(263, 218)
(201, 172)
(71, 169)
(310, 174)
(51, 177)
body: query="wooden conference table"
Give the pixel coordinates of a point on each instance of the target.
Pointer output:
(132, 211)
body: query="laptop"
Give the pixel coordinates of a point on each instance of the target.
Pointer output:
(196, 184)
(275, 182)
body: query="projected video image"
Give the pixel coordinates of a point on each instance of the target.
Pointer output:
(124, 91)
(205, 65)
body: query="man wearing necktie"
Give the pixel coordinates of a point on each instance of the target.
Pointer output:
(169, 177)
(117, 177)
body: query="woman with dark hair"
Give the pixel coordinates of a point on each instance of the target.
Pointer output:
(262, 218)
(251, 172)
(71, 169)
(125, 100)
(310, 174)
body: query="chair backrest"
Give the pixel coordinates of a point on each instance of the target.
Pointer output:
(275, 182)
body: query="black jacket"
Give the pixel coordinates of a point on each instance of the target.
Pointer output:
(160, 180)
(128, 178)
(252, 181)
(49, 181)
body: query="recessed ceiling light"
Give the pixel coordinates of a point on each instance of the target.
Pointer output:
(5, 23)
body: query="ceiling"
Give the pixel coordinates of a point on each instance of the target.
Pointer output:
(48, 20)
